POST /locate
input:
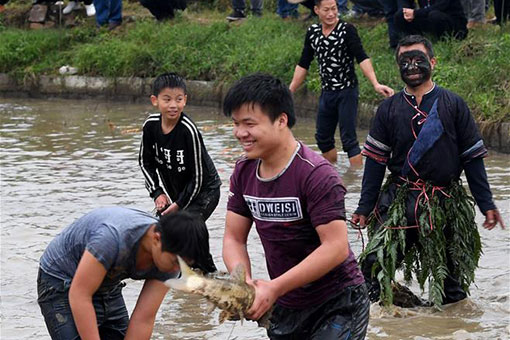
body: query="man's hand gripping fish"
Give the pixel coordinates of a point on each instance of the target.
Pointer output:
(232, 295)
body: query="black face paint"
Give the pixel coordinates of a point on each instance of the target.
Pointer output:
(413, 63)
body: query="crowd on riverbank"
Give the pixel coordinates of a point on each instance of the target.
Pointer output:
(438, 17)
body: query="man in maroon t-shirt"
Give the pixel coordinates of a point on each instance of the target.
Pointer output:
(296, 199)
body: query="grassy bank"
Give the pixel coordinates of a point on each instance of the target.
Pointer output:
(201, 45)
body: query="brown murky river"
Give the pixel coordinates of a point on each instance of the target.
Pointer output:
(62, 158)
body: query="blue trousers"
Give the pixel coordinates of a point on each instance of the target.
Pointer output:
(285, 9)
(108, 11)
(338, 108)
(53, 298)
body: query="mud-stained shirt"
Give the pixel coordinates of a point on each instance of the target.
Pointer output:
(112, 235)
(286, 209)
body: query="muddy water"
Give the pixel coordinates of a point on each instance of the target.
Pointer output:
(60, 159)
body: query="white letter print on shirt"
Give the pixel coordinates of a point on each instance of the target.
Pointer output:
(275, 209)
(180, 156)
(167, 154)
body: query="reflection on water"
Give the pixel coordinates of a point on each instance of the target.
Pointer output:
(62, 158)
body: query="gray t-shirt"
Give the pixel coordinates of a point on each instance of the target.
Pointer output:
(112, 235)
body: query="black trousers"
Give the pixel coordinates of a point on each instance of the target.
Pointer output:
(86, 2)
(342, 317)
(452, 288)
(437, 23)
(163, 9)
(502, 10)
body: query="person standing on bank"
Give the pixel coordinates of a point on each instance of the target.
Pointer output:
(422, 220)
(296, 200)
(81, 271)
(172, 150)
(336, 44)
(108, 13)
(73, 5)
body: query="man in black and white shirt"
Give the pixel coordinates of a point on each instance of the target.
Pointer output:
(336, 44)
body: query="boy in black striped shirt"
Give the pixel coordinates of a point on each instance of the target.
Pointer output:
(179, 173)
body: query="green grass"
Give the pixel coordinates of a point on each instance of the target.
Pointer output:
(201, 45)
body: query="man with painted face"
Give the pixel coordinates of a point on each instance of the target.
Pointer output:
(422, 220)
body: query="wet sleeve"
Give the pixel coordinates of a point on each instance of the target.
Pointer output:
(194, 151)
(307, 53)
(354, 45)
(378, 146)
(103, 244)
(236, 202)
(147, 162)
(373, 177)
(325, 196)
(470, 142)
(479, 185)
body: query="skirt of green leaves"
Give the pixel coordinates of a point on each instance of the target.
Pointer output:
(428, 261)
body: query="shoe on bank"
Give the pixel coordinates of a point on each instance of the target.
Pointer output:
(70, 7)
(236, 15)
(113, 25)
(91, 10)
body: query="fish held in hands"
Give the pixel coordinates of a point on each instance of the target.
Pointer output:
(230, 294)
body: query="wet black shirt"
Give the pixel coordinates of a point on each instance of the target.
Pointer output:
(178, 158)
(459, 147)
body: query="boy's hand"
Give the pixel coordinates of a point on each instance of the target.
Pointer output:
(161, 202)
(172, 208)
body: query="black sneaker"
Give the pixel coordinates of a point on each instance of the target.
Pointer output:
(113, 25)
(236, 15)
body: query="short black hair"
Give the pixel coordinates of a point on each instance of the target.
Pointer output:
(318, 3)
(412, 40)
(270, 93)
(168, 80)
(185, 234)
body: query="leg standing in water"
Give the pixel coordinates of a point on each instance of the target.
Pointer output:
(422, 217)
(173, 151)
(296, 200)
(338, 79)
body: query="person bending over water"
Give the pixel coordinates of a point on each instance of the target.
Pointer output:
(81, 271)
